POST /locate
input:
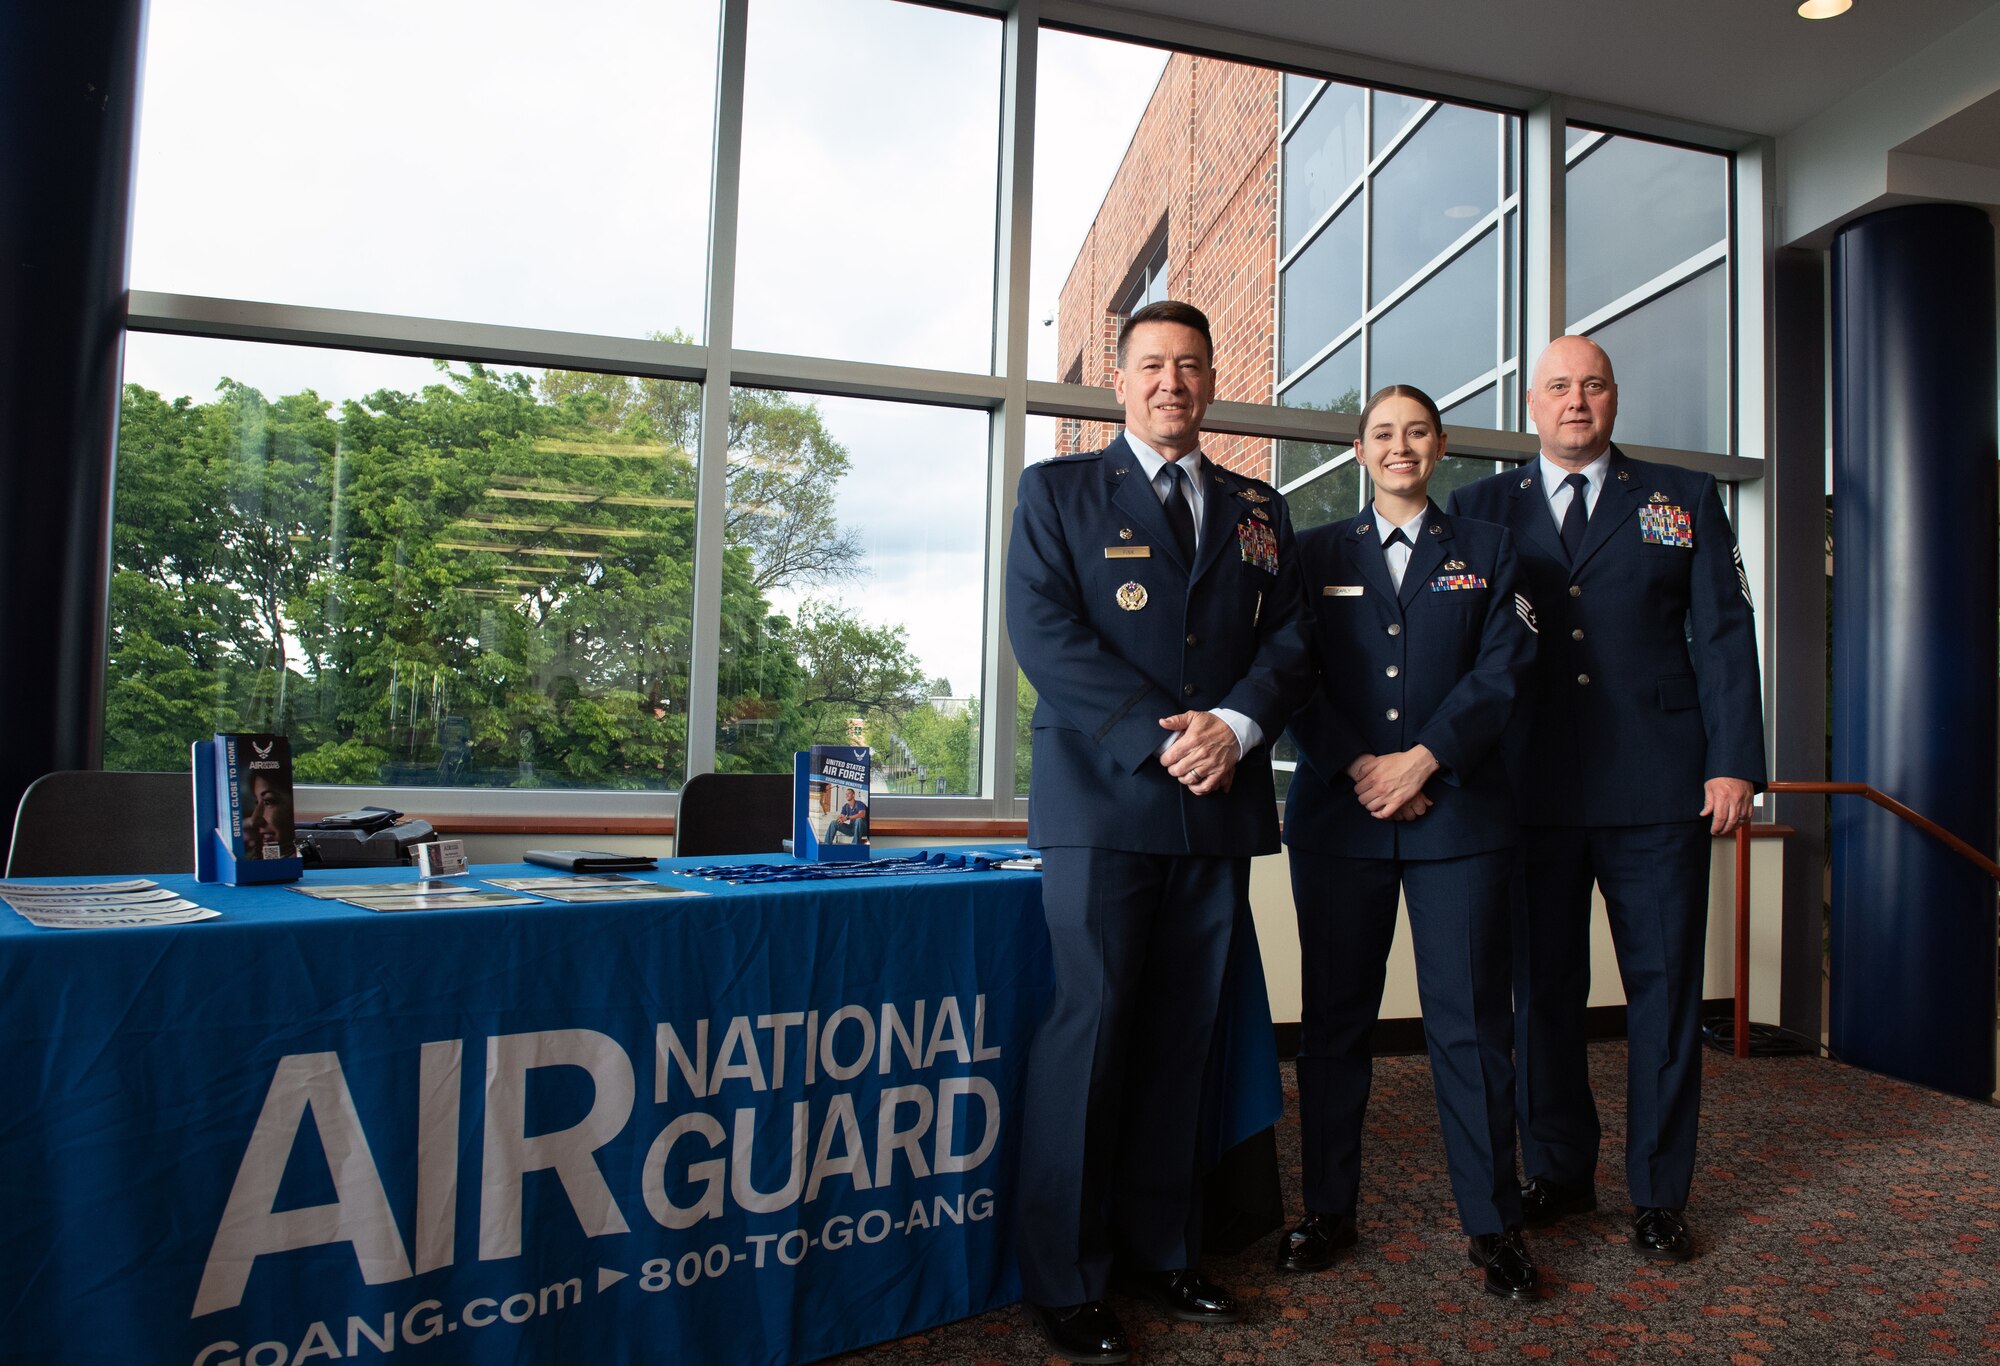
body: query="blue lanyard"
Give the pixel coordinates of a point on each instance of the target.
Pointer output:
(918, 864)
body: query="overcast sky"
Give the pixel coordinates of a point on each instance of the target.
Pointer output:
(519, 163)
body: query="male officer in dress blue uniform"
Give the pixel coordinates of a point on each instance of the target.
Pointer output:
(1153, 601)
(1425, 639)
(1644, 740)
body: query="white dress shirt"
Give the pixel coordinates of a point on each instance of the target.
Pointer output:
(1559, 494)
(1152, 462)
(1398, 555)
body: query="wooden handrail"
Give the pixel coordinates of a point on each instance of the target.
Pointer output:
(1881, 799)
(1896, 808)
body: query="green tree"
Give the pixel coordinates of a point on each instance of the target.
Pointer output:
(784, 465)
(852, 671)
(215, 531)
(937, 741)
(485, 581)
(1024, 732)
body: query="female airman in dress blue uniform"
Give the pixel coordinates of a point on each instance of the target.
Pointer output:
(1423, 641)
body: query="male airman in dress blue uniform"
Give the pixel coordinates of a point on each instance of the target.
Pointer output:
(1425, 638)
(1644, 740)
(1154, 603)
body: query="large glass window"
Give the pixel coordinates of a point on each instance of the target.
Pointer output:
(482, 572)
(1385, 269)
(1088, 104)
(1672, 366)
(1189, 177)
(1322, 289)
(1456, 471)
(1443, 335)
(502, 164)
(1442, 182)
(1393, 113)
(426, 575)
(860, 530)
(1637, 210)
(1438, 305)
(1648, 238)
(1332, 493)
(870, 173)
(1323, 156)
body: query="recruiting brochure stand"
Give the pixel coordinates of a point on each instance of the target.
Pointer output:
(830, 803)
(243, 826)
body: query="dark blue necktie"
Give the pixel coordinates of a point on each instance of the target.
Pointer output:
(1577, 514)
(1180, 509)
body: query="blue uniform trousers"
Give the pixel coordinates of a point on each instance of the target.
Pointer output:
(1459, 927)
(1112, 1107)
(1655, 884)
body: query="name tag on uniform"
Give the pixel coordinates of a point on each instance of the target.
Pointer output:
(1341, 590)
(1128, 552)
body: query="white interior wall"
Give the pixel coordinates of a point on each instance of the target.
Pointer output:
(1278, 937)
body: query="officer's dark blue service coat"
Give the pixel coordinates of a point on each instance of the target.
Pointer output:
(1115, 630)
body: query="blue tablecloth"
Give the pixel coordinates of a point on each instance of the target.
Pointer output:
(768, 1123)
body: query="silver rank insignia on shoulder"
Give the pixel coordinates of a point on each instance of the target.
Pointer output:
(1122, 473)
(1657, 497)
(1453, 566)
(1624, 476)
(1124, 533)
(1132, 596)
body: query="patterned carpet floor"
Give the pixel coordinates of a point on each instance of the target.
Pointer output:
(1837, 1215)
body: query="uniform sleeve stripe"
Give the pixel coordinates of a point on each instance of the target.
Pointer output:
(1742, 579)
(1525, 610)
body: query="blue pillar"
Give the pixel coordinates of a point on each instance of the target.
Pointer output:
(1914, 641)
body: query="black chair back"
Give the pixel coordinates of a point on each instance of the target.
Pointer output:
(84, 821)
(734, 813)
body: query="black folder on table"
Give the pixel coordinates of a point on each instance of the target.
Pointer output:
(585, 861)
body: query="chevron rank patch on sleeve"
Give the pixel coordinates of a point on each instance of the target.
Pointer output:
(1525, 610)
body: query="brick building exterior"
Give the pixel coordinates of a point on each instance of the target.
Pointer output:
(1201, 178)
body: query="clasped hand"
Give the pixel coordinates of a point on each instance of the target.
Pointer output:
(1391, 786)
(1203, 754)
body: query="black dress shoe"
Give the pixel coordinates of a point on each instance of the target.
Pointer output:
(1316, 1241)
(1545, 1200)
(1505, 1261)
(1186, 1294)
(1662, 1234)
(1082, 1332)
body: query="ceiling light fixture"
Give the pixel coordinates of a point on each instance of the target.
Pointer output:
(1824, 9)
